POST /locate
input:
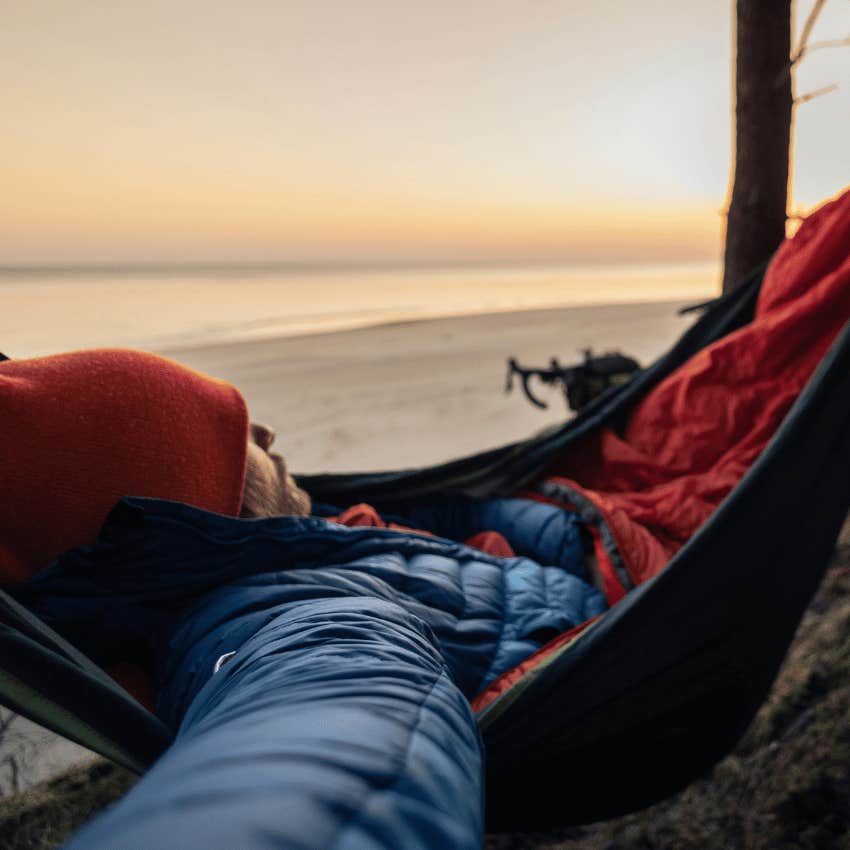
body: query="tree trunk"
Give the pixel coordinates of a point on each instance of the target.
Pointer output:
(755, 225)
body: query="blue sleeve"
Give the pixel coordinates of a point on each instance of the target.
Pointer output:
(336, 725)
(544, 533)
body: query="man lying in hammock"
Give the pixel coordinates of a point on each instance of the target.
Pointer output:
(313, 670)
(318, 675)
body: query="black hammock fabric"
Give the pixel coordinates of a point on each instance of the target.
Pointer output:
(658, 690)
(640, 703)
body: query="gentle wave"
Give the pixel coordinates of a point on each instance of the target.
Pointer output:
(54, 310)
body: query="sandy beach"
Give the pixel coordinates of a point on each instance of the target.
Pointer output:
(413, 393)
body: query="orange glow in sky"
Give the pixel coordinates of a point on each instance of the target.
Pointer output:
(476, 130)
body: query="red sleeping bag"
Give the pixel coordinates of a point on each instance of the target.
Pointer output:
(693, 437)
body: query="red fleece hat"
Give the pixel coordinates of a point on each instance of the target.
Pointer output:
(81, 430)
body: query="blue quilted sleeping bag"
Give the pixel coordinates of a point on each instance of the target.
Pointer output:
(317, 676)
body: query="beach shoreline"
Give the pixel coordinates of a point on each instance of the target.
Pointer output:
(403, 394)
(46, 314)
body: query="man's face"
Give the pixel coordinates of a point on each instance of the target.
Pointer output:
(269, 488)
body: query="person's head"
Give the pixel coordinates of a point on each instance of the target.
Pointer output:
(81, 430)
(269, 488)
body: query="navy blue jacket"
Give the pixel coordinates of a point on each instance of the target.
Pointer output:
(346, 658)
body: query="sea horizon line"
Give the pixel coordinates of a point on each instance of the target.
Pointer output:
(306, 267)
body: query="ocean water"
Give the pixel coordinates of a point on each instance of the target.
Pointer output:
(44, 311)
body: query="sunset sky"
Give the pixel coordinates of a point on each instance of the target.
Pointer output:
(383, 130)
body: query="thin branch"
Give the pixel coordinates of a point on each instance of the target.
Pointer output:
(807, 31)
(821, 45)
(805, 98)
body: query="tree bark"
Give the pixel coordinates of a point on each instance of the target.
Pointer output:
(755, 224)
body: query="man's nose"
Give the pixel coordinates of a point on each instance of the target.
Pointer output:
(262, 435)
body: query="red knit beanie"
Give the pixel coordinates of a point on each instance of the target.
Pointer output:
(81, 430)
